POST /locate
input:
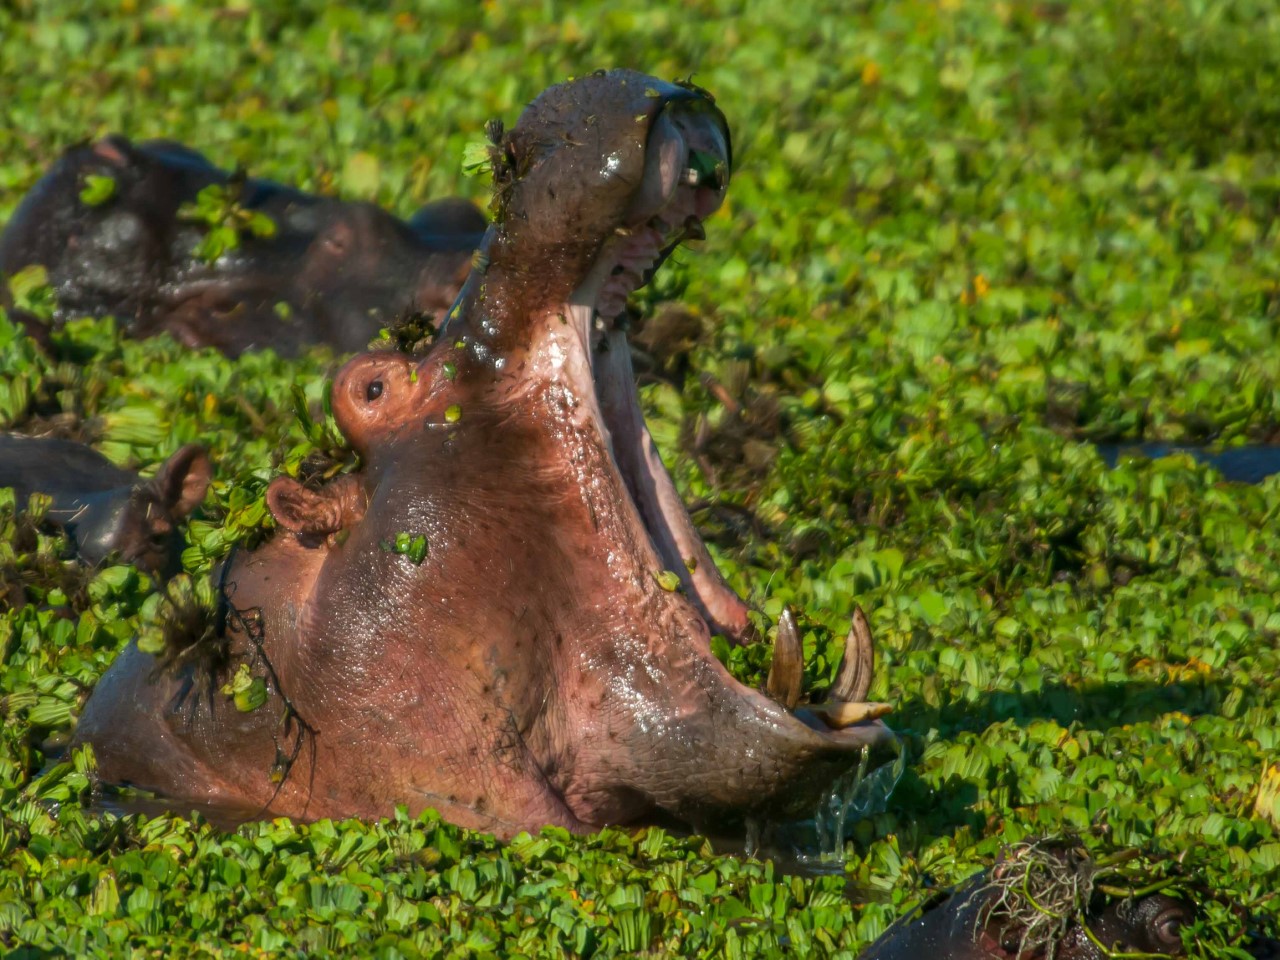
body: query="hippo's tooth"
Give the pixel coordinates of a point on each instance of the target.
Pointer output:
(692, 176)
(839, 714)
(856, 669)
(786, 673)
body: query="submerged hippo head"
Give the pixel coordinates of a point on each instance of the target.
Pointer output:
(1044, 899)
(120, 229)
(957, 929)
(506, 612)
(105, 510)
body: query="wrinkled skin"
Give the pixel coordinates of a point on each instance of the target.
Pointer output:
(104, 509)
(334, 272)
(531, 669)
(953, 929)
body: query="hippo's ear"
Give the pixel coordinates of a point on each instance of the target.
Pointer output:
(183, 480)
(316, 513)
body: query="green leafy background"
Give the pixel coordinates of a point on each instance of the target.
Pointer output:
(963, 239)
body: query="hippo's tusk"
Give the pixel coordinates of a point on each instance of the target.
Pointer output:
(786, 673)
(856, 669)
(839, 714)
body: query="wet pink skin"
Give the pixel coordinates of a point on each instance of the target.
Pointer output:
(531, 668)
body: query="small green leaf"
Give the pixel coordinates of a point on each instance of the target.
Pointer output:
(668, 580)
(477, 159)
(97, 190)
(252, 697)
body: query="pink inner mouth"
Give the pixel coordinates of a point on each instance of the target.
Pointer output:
(636, 254)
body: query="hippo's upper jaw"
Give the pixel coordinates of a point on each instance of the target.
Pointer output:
(545, 655)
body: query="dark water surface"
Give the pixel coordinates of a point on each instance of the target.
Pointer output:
(1243, 464)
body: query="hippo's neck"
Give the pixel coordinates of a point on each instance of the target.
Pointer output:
(506, 305)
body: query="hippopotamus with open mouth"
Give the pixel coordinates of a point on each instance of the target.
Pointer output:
(303, 269)
(505, 613)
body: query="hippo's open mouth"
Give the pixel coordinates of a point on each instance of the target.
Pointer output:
(686, 185)
(686, 174)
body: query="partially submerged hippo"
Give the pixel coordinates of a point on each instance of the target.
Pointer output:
(953, 930)
(506, 613)
(104, 509)
(1041, 905)
(317, 269)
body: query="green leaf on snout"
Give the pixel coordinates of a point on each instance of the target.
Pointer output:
(260, 225)
(408, 545)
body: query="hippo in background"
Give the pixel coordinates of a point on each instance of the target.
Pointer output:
(1039, 902)
(953, 928)
(104, 509)
(304, 269)
(505, 613)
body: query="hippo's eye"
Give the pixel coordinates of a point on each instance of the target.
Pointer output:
(373, 391)
(1168, 926)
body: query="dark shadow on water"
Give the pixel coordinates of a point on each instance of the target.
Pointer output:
(1097, 706)
(1243, 464)
(938, 811)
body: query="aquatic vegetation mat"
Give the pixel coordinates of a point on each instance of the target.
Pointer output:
(963, 242)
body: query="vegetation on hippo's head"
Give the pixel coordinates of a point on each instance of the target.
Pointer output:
(217, 208)
(961, 237)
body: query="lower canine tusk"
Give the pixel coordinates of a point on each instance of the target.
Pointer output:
(858, 666)
(786, 673)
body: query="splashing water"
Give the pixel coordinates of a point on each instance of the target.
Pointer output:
(817, 844)
(815, 847)
(751, 843)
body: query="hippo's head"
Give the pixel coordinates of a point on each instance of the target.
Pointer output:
(1043, 899)
(956, 929)
(312, 269)
(506, 613)
(139, 523)
(332, 271)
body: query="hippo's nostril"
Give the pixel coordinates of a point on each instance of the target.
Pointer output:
(693, 229)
